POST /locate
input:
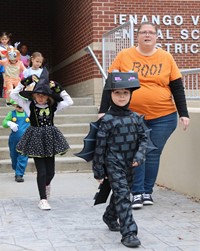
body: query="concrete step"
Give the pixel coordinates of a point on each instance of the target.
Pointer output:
(82, 109)
(74, 164)
(73, 122)
(71, 128)
(72, 139)
(5, 154)
(77, 101)
(70, 118)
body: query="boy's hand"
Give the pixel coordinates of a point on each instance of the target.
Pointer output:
(134, 164)
(13, 126)
(100, 181)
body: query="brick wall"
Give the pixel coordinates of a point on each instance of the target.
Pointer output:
(61, 29)
(185, 9)
(86, 21)
(77, 25)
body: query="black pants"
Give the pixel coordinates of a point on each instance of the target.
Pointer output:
(45, 173)
(1, 84)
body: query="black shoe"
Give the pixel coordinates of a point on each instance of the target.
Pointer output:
(113, 226)
(131, 241)
(19, 178)
(137, 201)
(147, 199)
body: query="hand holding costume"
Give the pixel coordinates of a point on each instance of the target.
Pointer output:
(16, 44)
(27, 81)
(13, 126)
(56, 87)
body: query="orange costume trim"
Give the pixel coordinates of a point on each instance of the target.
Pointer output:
(154, 98)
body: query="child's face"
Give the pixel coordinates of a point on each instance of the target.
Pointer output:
(24, 50)
(13, 61)
(36, 62)
(18, 108)
(121, 97)
(4, 40)
(41, 99)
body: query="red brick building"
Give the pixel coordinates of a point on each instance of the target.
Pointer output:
(62, 29)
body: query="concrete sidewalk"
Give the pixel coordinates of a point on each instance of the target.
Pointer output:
(74, 224)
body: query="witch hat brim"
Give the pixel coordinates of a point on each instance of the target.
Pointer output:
(41, 87)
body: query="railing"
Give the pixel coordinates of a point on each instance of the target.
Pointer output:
(114, 41)
(191, 82)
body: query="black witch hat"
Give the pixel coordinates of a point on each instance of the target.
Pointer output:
(41, 86)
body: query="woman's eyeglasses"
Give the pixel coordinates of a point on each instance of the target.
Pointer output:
(150, 33)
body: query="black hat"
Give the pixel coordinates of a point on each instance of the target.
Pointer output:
(122, 80)
(41, 86)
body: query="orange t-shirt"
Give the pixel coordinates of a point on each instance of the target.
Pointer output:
(154, 98)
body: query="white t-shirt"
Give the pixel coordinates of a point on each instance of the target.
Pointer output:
(29, 71)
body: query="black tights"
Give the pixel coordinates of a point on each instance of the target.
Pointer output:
(45, 172)
(1, 85)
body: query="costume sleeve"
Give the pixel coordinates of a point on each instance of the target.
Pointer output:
(100, 151)
(142, 142)
(24, 103)
(26, 73)
(178, 93)
(22, 67)
(67, 101)
(6, 119)
(2, 62)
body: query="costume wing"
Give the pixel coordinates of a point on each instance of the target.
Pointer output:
(89, 141)
(150, 145)
(103, 193)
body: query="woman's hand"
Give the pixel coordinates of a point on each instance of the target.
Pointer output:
(184, 122)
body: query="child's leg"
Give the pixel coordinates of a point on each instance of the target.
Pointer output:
(41, 168)
(1, 85)
(13, 152)
(15, 82)
(7, 89)
(50, 172)
(121, 199)
(21, 164)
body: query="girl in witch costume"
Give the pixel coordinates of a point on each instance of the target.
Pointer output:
(120, 148)
(42, 140)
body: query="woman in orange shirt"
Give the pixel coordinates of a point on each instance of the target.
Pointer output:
(159, 99)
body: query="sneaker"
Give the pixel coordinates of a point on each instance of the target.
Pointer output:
(137, 202)
(48, 191)
(19, 178)
(113, 226)
(131, 241)
(147, 199)
(44, 205)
